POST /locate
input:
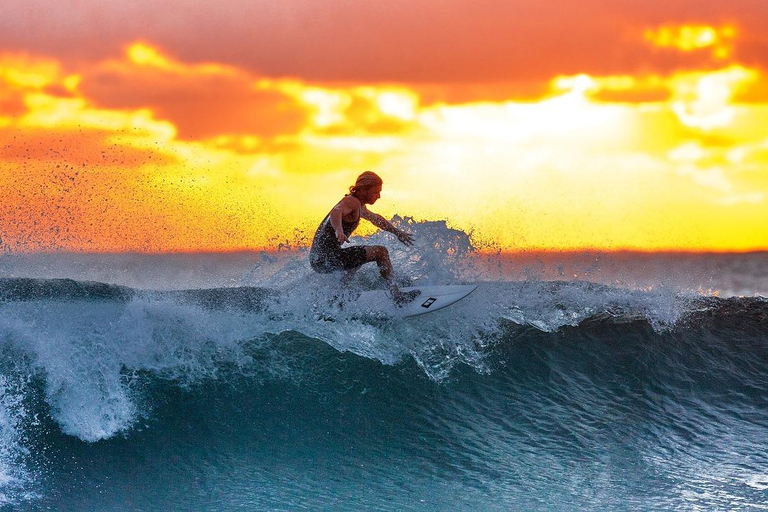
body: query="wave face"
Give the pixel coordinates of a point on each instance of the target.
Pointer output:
(277, 395)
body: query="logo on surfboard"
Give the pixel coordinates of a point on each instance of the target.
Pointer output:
(428, 302)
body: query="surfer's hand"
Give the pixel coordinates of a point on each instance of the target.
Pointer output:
(341, 237)
(404, 237)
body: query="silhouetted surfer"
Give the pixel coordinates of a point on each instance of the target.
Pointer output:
(327, 255)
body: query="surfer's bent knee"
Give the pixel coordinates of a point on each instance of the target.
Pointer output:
(380, 255)
(377, 253)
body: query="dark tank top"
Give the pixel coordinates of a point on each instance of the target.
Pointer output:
(325, 242)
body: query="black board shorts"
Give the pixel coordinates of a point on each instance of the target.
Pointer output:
(348, 258)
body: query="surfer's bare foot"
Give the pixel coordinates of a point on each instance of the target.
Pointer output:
(403, 298)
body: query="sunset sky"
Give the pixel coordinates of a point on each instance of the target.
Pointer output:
(192, 125)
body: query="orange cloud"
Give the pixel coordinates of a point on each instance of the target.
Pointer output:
(20, 74)
(202, 101)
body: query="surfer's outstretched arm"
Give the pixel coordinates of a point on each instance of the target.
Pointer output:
(382, 223)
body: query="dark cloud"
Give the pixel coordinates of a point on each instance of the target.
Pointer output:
(199, 105)
(407, 41)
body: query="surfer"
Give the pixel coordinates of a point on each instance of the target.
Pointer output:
(327, 255)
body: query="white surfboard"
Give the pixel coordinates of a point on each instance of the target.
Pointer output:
(431, 298)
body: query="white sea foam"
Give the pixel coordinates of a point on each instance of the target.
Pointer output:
(15, 478)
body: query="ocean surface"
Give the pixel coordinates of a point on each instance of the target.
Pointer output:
(246, 382)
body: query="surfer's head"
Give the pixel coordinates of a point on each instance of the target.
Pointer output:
(367, 188)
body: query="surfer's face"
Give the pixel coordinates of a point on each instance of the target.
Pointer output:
(372, 194)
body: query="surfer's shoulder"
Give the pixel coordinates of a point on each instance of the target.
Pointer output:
(351, 202)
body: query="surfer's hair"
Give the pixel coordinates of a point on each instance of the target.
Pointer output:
(366, 180)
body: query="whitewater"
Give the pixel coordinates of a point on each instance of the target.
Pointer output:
(247, 382)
